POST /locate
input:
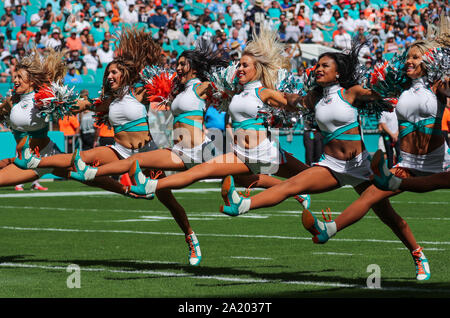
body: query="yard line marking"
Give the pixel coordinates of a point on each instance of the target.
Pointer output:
(209, 234)
(225, 278)
(250, 257)
(203, 216)
(101, 193)
(335, 253)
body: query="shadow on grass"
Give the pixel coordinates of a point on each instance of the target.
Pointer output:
(335, 285)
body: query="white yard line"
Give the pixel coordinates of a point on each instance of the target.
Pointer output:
(15, 228)
(222, 278)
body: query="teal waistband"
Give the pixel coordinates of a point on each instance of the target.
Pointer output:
(182, 118)
(420, 126)
(252, 123)
(339, 134)
(132, 126)
(41, 133)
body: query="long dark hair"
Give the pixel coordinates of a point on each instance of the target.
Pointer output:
(347, 63)
(201, 59)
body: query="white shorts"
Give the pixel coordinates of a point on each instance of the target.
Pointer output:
(196, 155)
(434, 162)
(352, 172)
(125, 152)
(50, 150)
(262, 159)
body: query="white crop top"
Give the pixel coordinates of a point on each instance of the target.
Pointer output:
(188, 100)
(246, 105)
(334, 115)
(418, 103)
(24, 116)
(126, 110)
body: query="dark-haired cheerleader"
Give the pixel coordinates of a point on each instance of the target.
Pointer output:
(345, 160)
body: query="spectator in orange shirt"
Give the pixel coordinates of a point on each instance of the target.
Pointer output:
(104, 135)
(70, 126)
(73, 43)
(24, 31)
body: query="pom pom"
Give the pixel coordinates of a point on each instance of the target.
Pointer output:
(55, 101)
(44, 96)
(224, 84)
(100, 117)
(437, 64)
(158, 83)
(275, 117)
(389, 79)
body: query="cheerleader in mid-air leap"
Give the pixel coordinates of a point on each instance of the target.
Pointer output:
(423, 147)
(345, 160)
(124, 100)
(253, 154)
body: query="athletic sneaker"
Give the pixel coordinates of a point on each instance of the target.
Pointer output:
(37, 186)
(195, 255)
(383, 177)
(19, 188)
(235, 203)
(422, 266)
(26, 159)
(82, 172)
(304, 199)
(142, 186)
(322, 231)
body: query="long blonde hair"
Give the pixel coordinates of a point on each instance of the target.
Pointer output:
(268, 54)
(45, 69)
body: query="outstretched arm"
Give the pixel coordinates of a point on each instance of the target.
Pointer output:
(358, 93)
(290, 102)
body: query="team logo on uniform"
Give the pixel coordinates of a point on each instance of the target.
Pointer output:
(327, 100)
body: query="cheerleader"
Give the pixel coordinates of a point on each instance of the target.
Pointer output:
(423, 149)
(24, 115)
(345, 160)
(123, 99)
(253, 153)
(191, 144)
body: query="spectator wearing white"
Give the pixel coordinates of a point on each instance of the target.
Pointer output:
(321, 19)
(130, 16)
(92, 60)
(172, 32)
(328, 12)
(293, 32)
(77, 22)
(317, 34)
(347, 22)
(105, 53)
(237, 13)
(342, 40)
(362, 22)
(54, 41)
(242, 32)
(186, 38)
(37, 19)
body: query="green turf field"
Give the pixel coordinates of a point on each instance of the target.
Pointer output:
(133, 248)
